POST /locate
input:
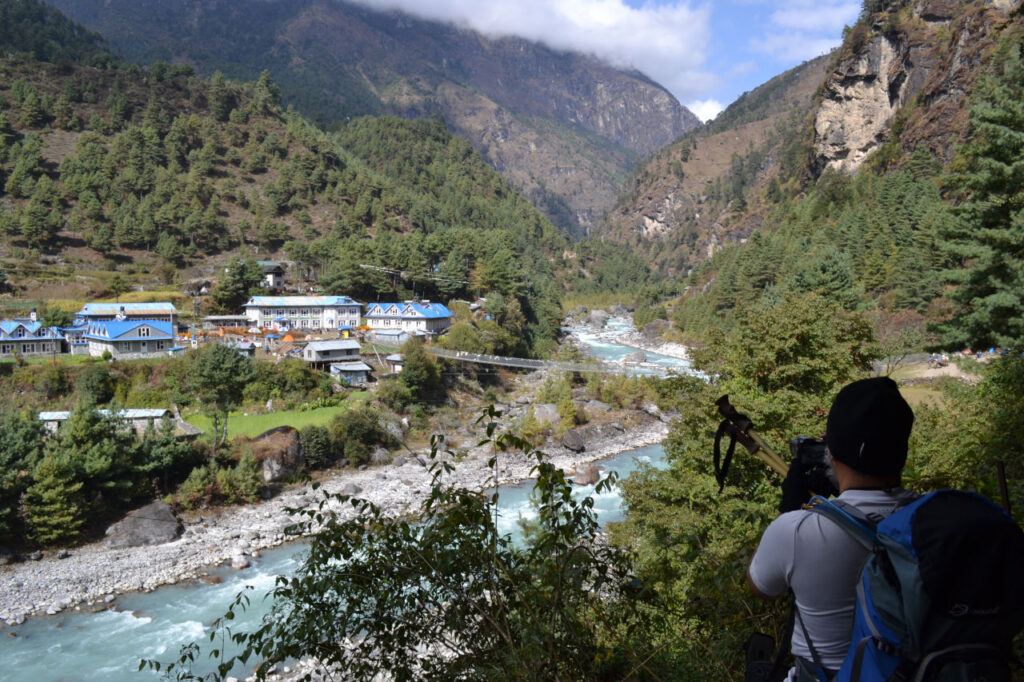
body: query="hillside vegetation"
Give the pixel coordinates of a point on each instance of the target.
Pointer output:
(155, 171)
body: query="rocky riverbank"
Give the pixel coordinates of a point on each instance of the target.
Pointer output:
(92, 576)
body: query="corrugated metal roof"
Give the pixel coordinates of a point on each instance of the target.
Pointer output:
(298, 301)
(131, 413)
(351, 367)
(340, 344)
(121, 330)
(409, 310)
(163, 308)
(8, 327)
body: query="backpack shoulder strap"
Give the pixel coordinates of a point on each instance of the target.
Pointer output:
(857, 524)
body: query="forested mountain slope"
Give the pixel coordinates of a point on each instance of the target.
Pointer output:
(860, 193)
(163, 176)
(565, 128)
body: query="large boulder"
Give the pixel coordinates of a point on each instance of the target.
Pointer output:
(153, 524)
(598, 319)
(596, 406)
(547, 412)
(279, 452)
(586, 474)
(620, 310)
(638, 356)
(572, 440)
(654, 330)
(595, 434)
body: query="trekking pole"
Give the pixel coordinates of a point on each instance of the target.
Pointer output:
(741, 429)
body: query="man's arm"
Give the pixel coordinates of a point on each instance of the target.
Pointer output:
(772, 563)
(756, 590)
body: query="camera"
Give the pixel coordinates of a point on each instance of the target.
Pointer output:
(813, 465)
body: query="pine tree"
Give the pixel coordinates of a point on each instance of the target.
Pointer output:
(988, 237)
(53, 505)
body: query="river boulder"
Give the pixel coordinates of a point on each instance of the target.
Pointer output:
(279, 452)
(653, 331)
(572, 440)
(620, 310)
(598, 319)
(586, 474)
(153, 524)
(638, 356)
(547, 412)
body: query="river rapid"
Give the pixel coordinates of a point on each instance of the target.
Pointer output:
(108, 644)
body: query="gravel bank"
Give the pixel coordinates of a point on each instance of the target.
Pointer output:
(93, 575)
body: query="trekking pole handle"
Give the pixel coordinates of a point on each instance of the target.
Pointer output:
(744, 431)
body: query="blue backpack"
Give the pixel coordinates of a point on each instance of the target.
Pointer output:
(941, 597)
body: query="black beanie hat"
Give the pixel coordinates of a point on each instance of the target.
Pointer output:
(869, 426)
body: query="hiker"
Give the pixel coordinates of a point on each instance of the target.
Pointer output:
(867, 435)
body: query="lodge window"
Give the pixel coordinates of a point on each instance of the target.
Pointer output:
(19, 333)
(143, 331)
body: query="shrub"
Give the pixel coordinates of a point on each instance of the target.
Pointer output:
(198, 490)
(394, 394)
(316, 445)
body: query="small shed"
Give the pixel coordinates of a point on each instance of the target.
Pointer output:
(395, 362)
(351, 372)
(323, 352)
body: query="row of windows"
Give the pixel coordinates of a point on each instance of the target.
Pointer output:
(295, 312)
(8, 348)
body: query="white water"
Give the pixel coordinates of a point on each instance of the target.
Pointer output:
(107, 646)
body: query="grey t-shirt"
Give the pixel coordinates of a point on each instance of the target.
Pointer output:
(821, 562)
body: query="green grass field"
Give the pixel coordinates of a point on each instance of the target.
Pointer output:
(251, 425)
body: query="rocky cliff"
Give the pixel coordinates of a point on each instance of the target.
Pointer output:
(566, 128)
(910, 64)
(901, 80)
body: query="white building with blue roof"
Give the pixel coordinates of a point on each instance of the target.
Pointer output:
(28, 337)
(126, 339)
(309, 313)
(409, 317)
(102, 312)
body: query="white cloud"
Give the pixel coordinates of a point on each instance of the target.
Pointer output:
(794, 47)
(705, 109)
(805, 29)
(669, 42)
(823, 19)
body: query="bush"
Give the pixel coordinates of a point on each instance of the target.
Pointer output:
(356, 432)
(394, 394)
(316, 445)
(198, 490)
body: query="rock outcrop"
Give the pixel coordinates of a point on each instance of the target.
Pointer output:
(932, 58)
(279, 452)
(153, 524)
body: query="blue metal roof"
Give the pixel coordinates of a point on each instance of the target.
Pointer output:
(122, 330)
(130, 413)
(408, 310)
(161, 308)
(298, 301)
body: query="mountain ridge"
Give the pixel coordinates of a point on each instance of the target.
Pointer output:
(564, 127)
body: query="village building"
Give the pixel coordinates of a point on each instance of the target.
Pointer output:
(326, 352)
(126, 339)
(103, 312)
(74, 339)
(28, 337)
(308, 313)
(410, 317)
(225, 322)
(273, 274)
(351, 372)
(395, 362)
(138, 419)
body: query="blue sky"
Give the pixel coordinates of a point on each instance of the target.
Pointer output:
(706, 52)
